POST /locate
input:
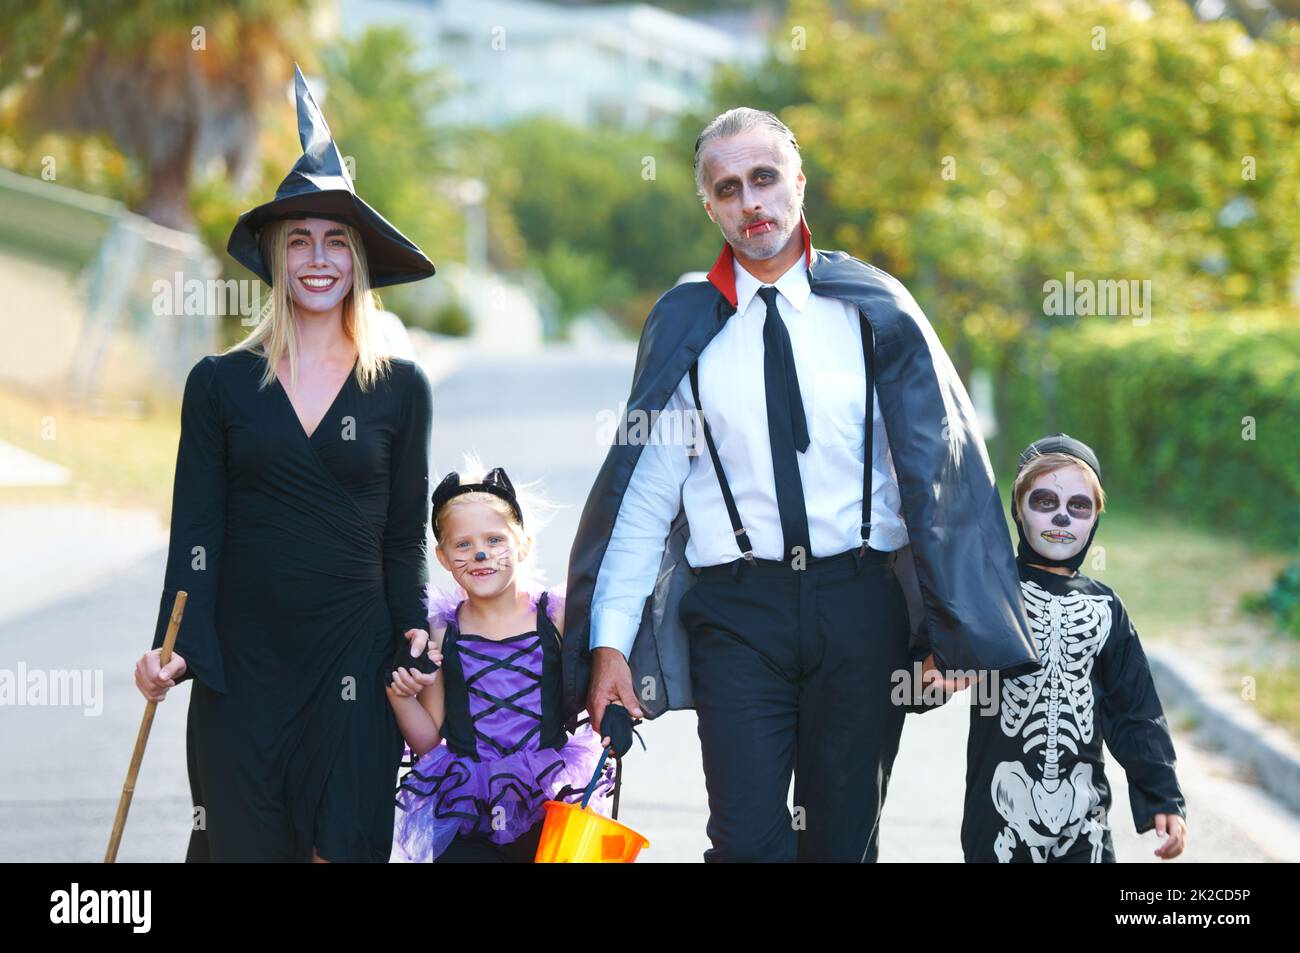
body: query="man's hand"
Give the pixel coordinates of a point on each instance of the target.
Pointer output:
(154, 679)
(1173, 829)
(931, 675)
(611, 681)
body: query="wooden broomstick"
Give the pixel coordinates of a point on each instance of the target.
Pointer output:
(128, 789)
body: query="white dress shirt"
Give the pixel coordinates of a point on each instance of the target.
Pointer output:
(826, 337)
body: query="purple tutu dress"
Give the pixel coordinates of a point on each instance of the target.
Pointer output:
(496, 789)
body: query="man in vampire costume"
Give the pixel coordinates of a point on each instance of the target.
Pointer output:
(781, 582)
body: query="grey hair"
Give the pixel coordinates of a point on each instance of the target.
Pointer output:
(736, 121)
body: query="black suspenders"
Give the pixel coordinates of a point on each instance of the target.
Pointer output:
(742, 537)
(869, 362)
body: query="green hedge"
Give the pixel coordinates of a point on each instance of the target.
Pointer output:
(1281, 602)
(1162, 405)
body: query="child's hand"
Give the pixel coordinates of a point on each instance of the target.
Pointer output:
(1175, 827)
(421, 641)
(408, 682)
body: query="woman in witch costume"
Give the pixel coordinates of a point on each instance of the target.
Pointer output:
(298, 531)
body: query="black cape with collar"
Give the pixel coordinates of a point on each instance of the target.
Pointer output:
(958, 570)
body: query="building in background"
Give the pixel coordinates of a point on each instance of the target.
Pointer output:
(630, 66)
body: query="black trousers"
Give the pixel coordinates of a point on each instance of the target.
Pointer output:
(791, 670)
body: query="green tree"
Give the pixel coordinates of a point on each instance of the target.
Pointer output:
(173, 84)
(610, 219)
(380, 109)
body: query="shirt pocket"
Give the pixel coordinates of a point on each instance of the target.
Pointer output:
(839, 408)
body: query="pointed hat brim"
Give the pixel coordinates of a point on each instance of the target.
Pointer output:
(393, 258)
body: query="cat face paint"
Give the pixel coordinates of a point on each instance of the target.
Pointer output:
(1058, 511)
(478, 548)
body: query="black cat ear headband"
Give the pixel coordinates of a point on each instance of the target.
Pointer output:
(495, 482)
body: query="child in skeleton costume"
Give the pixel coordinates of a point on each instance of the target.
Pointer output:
(1035, 785)
(481, 713)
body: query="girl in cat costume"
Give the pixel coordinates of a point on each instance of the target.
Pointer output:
(485, 729)
(1036, 790)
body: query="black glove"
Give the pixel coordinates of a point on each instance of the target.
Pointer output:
(419, 663)
(617, 727)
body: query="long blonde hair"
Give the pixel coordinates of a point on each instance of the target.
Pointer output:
(276, 334)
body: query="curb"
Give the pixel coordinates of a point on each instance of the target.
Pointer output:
(1229, 723)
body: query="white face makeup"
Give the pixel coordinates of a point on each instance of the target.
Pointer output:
(1057, 511)
(319, 260)
(477, 548)
(754, 195)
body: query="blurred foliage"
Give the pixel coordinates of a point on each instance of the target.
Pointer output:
(169, 83)
(451, 318)
(607, 217)
(1258, 16)
(582, 280)
(1282, 601)
(91, 163)
(1165, 407)
(379, 110)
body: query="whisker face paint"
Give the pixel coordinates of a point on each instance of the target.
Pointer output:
(479, 547)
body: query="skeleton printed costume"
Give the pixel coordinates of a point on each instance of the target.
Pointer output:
(1036, 788)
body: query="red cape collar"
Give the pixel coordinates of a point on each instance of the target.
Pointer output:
(723, 274)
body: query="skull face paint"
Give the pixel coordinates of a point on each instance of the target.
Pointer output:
(1058, 510)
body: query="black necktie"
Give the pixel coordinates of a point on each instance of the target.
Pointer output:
(787, 425)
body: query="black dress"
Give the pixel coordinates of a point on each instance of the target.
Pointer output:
(305, 559)
(1036, 788)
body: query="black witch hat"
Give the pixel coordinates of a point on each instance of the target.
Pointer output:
(319, 187)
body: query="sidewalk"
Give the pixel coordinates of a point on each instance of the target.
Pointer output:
(1262, 750)
(54, 552)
